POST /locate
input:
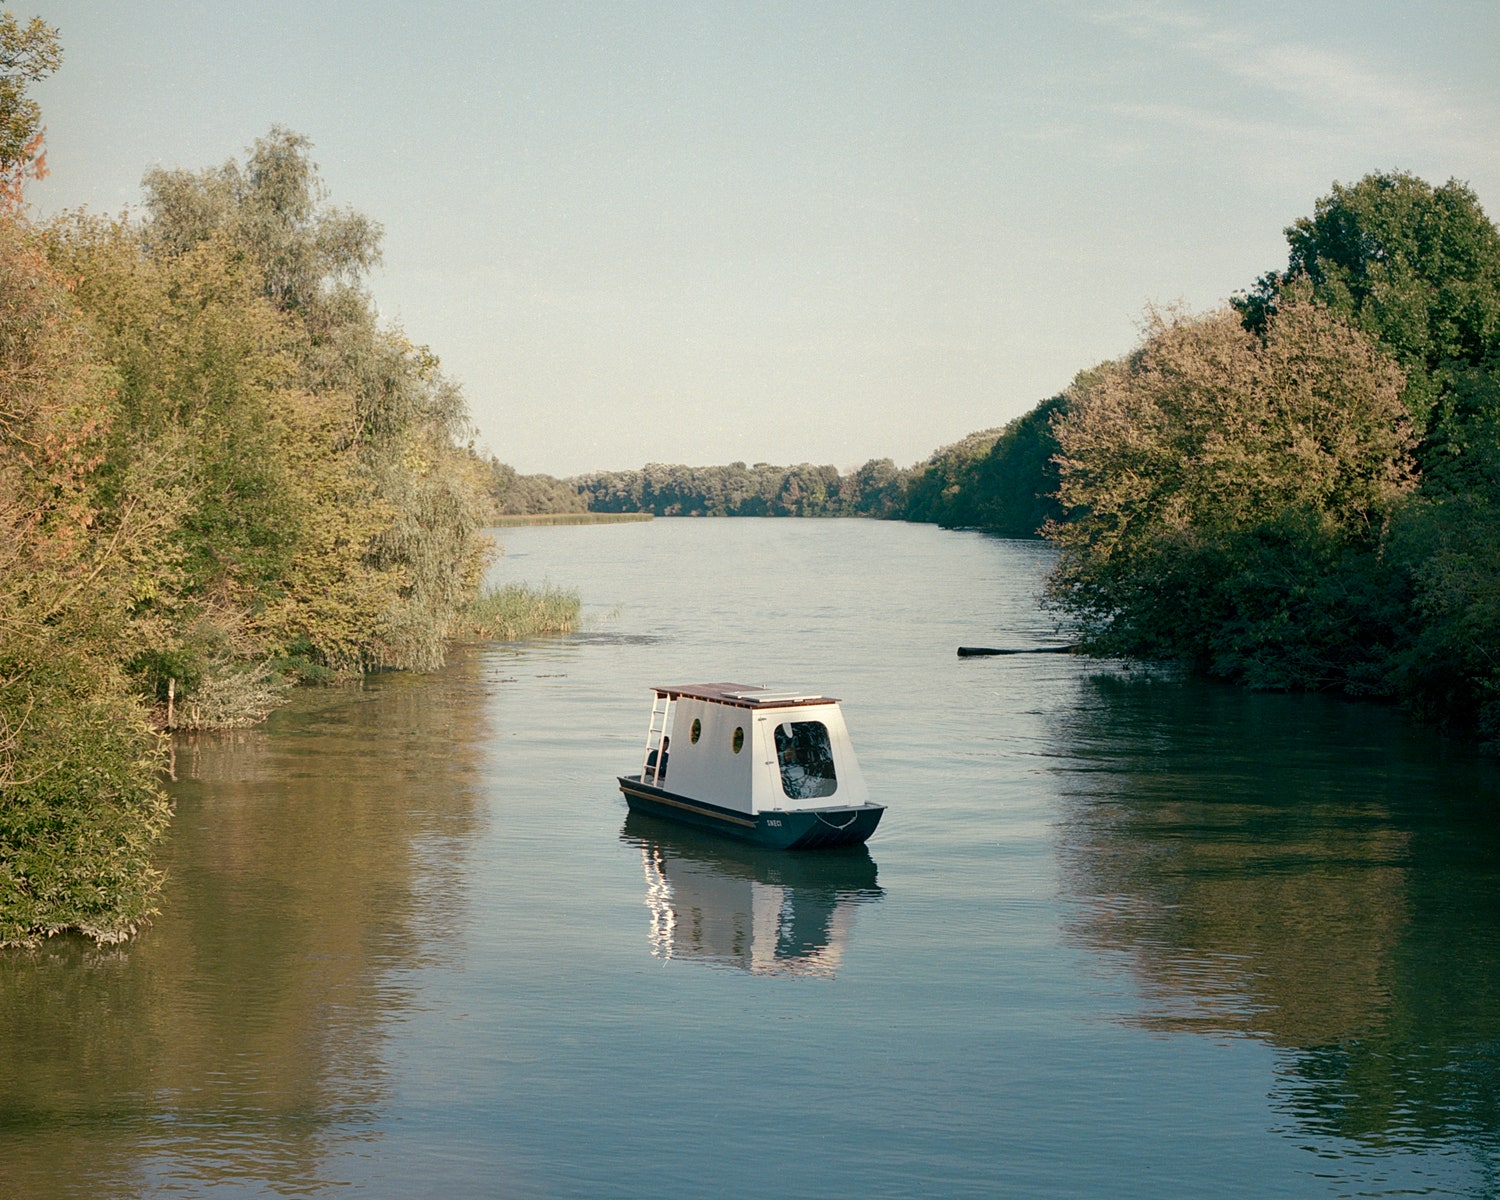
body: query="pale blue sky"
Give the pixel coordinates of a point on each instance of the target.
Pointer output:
(784, 231)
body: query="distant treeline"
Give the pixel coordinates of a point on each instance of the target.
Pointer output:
(220, 474)
(1300, 490)
(926, 492)
(1000, 481)
(736, 490)
(509, 493)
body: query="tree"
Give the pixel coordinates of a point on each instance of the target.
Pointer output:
(198, 447)
(1015, 484)
(312, 258)
(27, 53)
(941, 490)
(1418, 268)
(1415, 267)
(508, 492)
(875, 490)
(1214, 478)
(406, 421)
(80, 808)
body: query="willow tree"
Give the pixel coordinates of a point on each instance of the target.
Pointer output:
(1222, 489)
(380, 398)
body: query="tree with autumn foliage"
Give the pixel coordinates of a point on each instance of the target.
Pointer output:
(1222, 490)
(80, 809)
(27, 53)
(219, 473)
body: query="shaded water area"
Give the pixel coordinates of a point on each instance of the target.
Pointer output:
(1119, 935)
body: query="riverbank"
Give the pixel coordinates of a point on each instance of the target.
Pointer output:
(512, 520)
(82, 856)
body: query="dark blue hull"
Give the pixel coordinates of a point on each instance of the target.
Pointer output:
(798, 829)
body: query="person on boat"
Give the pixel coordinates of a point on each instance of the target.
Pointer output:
(651, 767)
(793, 773)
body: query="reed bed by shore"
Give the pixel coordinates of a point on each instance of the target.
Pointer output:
(519, 610)
(512, 519)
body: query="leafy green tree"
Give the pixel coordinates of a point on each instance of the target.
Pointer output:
(941, 490)
(1418, 268)
(876, 489)
(807, 491)
(1015, 485)
(1415, 267)
(406, 420)
(1448, 666)
(1446, 539)
(197, 448)
(312, 258)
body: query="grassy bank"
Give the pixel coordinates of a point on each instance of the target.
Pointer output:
(585, 518)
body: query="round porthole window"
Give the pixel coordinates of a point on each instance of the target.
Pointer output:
(739, 738)
(695, 731)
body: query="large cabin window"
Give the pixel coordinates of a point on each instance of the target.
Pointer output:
(806, 759)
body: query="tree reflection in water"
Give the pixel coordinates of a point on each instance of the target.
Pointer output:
(239, 1041)
(1312, 873)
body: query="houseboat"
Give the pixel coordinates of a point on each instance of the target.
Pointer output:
(767, 766)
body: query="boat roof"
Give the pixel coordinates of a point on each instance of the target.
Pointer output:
(743, 695)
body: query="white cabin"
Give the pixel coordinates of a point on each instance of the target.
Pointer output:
(753, 749)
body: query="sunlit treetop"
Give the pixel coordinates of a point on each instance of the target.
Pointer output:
(27, 53)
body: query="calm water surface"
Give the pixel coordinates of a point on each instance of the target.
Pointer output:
(1118, 936)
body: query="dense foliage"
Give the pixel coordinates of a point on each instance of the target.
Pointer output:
(1304, 491)
(1415, 267)
(1001, 481)
(1215, 481)
(940, 490)
(309, 507)
(509, 493)
(79, 805)
(219, 474)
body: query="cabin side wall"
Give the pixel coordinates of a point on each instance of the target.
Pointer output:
(709, 769)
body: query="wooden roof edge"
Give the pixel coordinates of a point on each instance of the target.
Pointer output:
(742, 695)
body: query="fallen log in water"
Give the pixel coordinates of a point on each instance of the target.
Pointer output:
(985, 651)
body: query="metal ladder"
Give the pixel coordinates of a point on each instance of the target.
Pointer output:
(661, 710)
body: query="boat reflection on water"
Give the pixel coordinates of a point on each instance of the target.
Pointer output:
(760, 910)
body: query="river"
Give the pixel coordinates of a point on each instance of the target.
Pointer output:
(1119, 935)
